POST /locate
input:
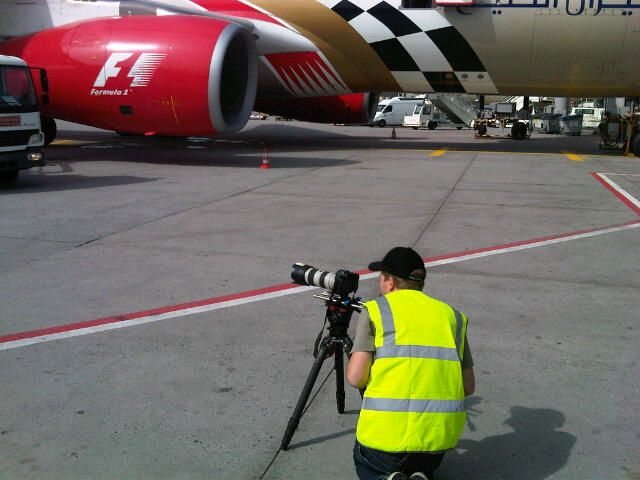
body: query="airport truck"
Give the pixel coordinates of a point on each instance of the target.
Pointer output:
(21, 137)
(424, 115)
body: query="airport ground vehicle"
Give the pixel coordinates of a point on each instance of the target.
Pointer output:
(425, 115)
(504, 121)
(621, 132)
(591, 115)
(21, 138)
(392, 111)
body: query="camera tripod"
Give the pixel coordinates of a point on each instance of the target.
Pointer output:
(336, 342)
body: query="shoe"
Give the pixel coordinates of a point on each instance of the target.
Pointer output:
(397, 476)
(418, 476)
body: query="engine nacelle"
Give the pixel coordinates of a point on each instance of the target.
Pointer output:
(354, 108)
(166, 75)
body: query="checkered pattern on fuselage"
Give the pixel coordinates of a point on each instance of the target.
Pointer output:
(422, 50)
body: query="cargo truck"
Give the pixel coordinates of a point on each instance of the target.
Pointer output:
(21, 137)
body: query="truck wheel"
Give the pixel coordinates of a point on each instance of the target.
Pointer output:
(432, 125)
(518, 131)
(49, 128)
(635, 144)
(382, 123)
(8, 177)
(482, 129)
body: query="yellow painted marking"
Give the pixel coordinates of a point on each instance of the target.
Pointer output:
(73, 142)
(493, 152)
(439, 153)
(573, 157)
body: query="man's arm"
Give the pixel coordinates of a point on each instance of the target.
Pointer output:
(362, 352)
(358, 368)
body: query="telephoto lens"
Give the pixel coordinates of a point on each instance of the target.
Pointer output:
(342, 282)
(308, 275)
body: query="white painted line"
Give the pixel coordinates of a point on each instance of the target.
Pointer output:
(631, 201)
(623, 192)
(150, 318)
(517, 248)
(621, 174)
(113, 323)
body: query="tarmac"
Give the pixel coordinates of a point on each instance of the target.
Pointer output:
(148, 328)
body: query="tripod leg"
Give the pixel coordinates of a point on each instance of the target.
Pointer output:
(339, 364)
(304, 396)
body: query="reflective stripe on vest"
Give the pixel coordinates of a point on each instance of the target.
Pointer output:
(458, 328)
(387, 321)
(417, 351)
(415, 399)
(415, 406)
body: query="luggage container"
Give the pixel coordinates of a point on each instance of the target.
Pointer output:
(571, 125)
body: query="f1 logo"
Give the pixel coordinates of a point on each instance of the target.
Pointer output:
(109, 69)
(141, 72)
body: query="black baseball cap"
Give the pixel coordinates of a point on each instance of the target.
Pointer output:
(401, 262)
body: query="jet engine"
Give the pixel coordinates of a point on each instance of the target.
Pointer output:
(354, 108)
(165, 75)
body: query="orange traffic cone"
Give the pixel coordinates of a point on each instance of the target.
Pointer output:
(265, 159)
(393, 133)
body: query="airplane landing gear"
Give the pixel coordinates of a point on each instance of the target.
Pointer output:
(519, 131)
(621, 132)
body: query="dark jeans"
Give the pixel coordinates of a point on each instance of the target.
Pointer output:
(374, 464)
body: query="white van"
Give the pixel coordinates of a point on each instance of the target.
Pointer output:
(392, 111)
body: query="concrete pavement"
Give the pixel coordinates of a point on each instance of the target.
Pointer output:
(115, 225)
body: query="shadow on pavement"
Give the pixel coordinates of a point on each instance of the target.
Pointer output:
(315, 137)
(534, 451)
(180, 153)
(34, 182)
(324, 438)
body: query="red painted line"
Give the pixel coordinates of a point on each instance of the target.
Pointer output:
(529, 242)
(464, 253)
(272, 289)
(621, 197)
(144, 313)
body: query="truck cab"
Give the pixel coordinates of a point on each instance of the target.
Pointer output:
(21, 137)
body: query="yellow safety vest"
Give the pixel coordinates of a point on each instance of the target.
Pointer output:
(414, 401)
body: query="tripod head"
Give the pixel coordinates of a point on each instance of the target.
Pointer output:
(339, 311)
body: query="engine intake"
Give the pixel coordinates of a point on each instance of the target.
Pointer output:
(167, 75)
